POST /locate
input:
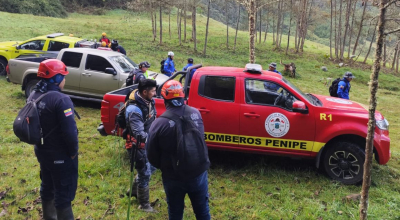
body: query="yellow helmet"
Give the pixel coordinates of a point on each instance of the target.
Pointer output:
(104, 34)
(103, 44)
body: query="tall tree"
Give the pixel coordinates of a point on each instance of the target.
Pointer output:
(184, 20)
(266, 27)
(290, 24)
(237, 27)
(160, 23)
(208, 19)
(194, 33)
(373, 87)
(330, 36)
(346, 29)
(227, 24)
(360, 28)
(351, 29)
(370, 45)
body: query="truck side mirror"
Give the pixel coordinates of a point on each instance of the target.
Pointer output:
(110, 70)
(299, 106)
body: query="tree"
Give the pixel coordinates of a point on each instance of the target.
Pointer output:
(237, 27)
(208, 19)
(360, 28)
(290, 24)
(160, 23)
(227, 24)
(330, 38)
(373, 87)
(194, 37)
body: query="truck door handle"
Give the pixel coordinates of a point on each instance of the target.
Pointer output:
(86, 74)
(251, 115)
(204, 111)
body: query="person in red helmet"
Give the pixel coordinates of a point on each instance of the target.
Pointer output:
(177, 147)
(57, 155)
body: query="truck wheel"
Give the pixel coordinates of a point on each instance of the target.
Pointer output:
(30, 86)
(3, 65)
(344, 162)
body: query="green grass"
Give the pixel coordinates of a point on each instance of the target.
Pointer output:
(242, 186)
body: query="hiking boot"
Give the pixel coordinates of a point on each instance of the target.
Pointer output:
(143, 197)
(65, 214)
(49, 210)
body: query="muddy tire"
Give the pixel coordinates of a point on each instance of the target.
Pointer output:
(344, 162)
(3, 65)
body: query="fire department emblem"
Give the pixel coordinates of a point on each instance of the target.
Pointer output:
(277, 125)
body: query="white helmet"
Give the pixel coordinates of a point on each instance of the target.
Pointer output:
(170, 53)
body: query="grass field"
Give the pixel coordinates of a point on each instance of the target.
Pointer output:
(242, 186)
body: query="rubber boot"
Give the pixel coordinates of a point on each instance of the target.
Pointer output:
(134, 188)
(143, 197)
(65, 214)
(49, 210)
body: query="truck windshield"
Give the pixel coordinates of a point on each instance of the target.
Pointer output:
(310, 99)
(124, 63)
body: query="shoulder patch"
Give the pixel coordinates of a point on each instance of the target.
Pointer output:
(68, 112)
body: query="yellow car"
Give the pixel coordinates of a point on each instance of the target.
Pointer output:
(42, 44)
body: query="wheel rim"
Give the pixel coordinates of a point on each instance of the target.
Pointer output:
(344, 165)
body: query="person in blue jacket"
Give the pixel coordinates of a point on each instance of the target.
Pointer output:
(118, 48)
(344, 85)
(189, 64)
(269, 85)
(58, 153)
(169, 66)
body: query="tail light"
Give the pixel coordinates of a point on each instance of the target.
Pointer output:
(8, 70)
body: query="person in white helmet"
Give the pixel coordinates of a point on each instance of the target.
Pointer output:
(169, 66)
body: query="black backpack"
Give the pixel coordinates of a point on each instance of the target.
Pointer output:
(162, 66)
(334, 87)
(27, 123)
(191, 151)
(120, 118)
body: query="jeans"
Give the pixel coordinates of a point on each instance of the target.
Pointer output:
(196, 188)
(59, 175)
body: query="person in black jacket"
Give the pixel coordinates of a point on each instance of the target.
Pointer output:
(180, 177)
(138, 74)
(140, 113)
(118, 48)
(58, 153)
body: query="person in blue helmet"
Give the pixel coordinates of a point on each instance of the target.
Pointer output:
(344, 85)
(169, 65)
(269, 85)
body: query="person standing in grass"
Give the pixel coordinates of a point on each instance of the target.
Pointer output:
(58, 152)
(139, 114)
(344, 85)
(176, 145)
(169, 65)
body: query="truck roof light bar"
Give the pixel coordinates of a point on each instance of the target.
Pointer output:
(253, 68)
(55, 35)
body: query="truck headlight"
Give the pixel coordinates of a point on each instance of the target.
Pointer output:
(383, 124)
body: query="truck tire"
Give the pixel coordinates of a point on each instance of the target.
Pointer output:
(344, 162)
(30, 85)
(3, 64)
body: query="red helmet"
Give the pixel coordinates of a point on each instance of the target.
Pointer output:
(172, 89)
(50, 68)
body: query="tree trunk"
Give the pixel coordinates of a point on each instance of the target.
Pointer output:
(340, 29)
(278, 23)
(180, 27)
(237, 28)
(330, 37)
(281, 28)
(346, 28)
(266, 28)
(208, 19)
(373, 86)
(306, 19)
(351, 29)
(160, 24)
(394, 55)
(360, 28)
(184, 21)
(384, 53)
(194, 25)
(177, 21)
(336, 34)
(259, 39)
(252, 27)
(227, 24)
(370, 46)
(290, 24)
(153, 26)
(169, 23)
(397, 63)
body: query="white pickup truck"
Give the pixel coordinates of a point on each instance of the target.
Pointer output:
(92, 72)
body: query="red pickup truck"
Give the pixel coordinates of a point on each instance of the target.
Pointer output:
(256, 111)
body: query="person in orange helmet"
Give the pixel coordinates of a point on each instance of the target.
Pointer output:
(104, 39)
(58, 152)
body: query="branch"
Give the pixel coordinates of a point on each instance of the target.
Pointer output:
(390, 3)
(258, 8)
(392, 31)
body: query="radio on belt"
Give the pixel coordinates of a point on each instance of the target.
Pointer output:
(253, 68)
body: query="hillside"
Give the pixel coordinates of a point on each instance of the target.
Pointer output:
(242, 186)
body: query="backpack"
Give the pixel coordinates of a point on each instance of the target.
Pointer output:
(334, 87)
(162, 66)
(191, 151)
(27, 123)
(120, 118)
